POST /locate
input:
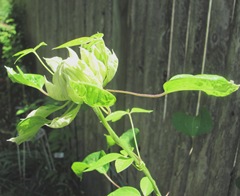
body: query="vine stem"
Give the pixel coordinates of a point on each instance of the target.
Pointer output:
(139, 163)
(137, 94)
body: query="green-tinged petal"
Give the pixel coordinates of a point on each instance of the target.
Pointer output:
(53, 62)
(32, 80)
(56, 92)
(28, 128)
(66, 118)
(92, 95)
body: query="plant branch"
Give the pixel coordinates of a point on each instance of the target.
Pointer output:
(139, 163)
(115, 184)
(137, 94)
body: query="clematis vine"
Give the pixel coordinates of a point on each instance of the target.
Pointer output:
(75, 80)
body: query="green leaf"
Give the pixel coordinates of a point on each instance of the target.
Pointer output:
(91, 94)
(128, 137)
(123, 163)
(28, 128)
(110, 141)
(115, 116)
(78, 168)
(193, 125)
(27, 51)
(66, 118)
(146, 186)
(93, 158)
(211, 84)
(80, 41)
(32, 80)
(45, 111)
(103, 161)
(125, 191)
(140, 110)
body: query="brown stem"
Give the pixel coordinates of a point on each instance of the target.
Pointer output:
(137, 94)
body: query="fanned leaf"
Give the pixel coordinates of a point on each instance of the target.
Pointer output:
(123, 163)
(28, 51)
(103, 161)
(32, 80)
(115, 116)
(91, 94)
(65, 119)
(146, 186)
(28, 128)
(125, 191)
(80, 41)
(211, 84)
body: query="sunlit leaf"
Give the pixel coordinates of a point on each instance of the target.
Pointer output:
(115, 116)
(123, 163)
(28, 128)
(66, 118)
(80, 41)
(103, 161)
(211, 84)
(193, 125)
(125, 191)
(53, 62)
(146, 186)
(92, 95)
(140, 110)
(28, 51)
(78, 168)
(32, 80)
(45, 111)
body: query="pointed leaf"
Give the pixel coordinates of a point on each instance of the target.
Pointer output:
(125, 191)
(93, 158)
(27, 51)
(28, 128)
(103, 161)
(32, 80)
(211, 84)
(146, 186)
(45, 111)
(78, 168)
(65, 119)
(128, 137)
(53, 62)
(110, 141)
(115, 116)
(123, 163)
(80, 41)
(140, 110)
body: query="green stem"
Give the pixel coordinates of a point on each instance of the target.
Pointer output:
(43, 63)
(139, 163)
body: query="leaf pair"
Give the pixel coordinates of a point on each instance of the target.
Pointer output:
(99, 161)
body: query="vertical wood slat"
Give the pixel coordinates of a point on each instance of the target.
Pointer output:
(139, 33)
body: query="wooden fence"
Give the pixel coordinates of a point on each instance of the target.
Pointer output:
(155, 40)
